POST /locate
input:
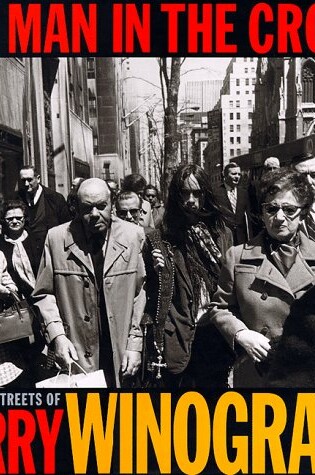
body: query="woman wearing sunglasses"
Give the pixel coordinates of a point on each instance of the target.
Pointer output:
(261, 279)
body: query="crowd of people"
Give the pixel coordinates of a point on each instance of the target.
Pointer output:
(202, 291)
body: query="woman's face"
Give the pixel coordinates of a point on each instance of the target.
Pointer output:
(282, 215)
(15, 221)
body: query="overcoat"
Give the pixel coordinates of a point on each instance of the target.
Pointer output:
(67, 295)
(253, 294)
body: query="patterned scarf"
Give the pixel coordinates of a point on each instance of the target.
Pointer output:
(284, 254)
(20, 260)
(203, 261)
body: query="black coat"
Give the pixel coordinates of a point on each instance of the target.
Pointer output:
(239, 222)
(56, 212)
(195, 356)
(292, 364)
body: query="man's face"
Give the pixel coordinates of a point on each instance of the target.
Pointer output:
(129, 209)
(150, 195)
(94, 206)
(308, 168)
(233, 176)
(29, 181)
(193, 196)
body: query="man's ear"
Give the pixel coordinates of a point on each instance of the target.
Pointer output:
(38, 178)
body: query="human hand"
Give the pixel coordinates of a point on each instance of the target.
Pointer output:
(158, 260)
(64, 350)
(255, 344)
(4, 291)
(130, 363)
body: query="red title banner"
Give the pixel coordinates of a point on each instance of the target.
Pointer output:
(157, 28)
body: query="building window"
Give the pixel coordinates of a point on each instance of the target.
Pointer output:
(231, 115)
(238, 139)
(249, 139)
(238, 115)
(232, 140)
(237, 82)
(237, 103)
(252, 70)
(254, 81)
(245, 60)
(246, 82)
(251, 60)
(250, 115)
(231, 103)
(246, 70)
(238, 151)
(231, 128)
(250, 127)
(237, 92)
(308, 79)
(249, 102)
(231, 152)
(106, 172)
(238, 128)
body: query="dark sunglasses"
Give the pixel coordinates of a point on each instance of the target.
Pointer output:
(18, 218)
(290, 211)
(123, 213)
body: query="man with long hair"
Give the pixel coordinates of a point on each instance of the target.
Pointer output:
(197, 240)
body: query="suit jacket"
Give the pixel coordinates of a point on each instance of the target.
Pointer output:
(239, 222)
(56, 209)
(67, 296)
(253, 294)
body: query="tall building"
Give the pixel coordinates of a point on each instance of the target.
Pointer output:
(105, 84)
(236, 107)
(285, 101)
(204, 94)
(44, 121)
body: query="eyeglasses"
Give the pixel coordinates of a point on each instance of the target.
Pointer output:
(18, 218)
(148, 195)
(123, 213)
(290, 211)
(310, 174)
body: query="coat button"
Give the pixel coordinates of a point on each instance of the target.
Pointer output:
(87, 354)
(264, 296)
(87, 318)
(86, 283)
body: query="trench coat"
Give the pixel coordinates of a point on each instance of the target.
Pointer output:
(67, 295)
(253, 294)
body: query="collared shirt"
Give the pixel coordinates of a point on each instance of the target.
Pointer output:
(36, 196)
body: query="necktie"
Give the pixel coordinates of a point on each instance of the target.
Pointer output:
(310, 226)
(233, 199)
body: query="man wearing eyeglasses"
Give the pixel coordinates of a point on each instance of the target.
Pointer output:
(90, 288)
(305, 163)
(128, 207)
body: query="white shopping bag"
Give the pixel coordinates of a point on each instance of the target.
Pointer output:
(96, 379)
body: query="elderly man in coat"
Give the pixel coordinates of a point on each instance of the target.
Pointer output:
(90, 287)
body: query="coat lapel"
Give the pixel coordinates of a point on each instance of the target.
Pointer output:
(300, 275)
(75, 243)
(116, 245)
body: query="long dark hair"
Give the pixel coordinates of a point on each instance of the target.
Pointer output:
(176, 217)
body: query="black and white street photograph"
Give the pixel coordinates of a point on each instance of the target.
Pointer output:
(157, 220)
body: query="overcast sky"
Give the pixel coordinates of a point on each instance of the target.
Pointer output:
(194, 69)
